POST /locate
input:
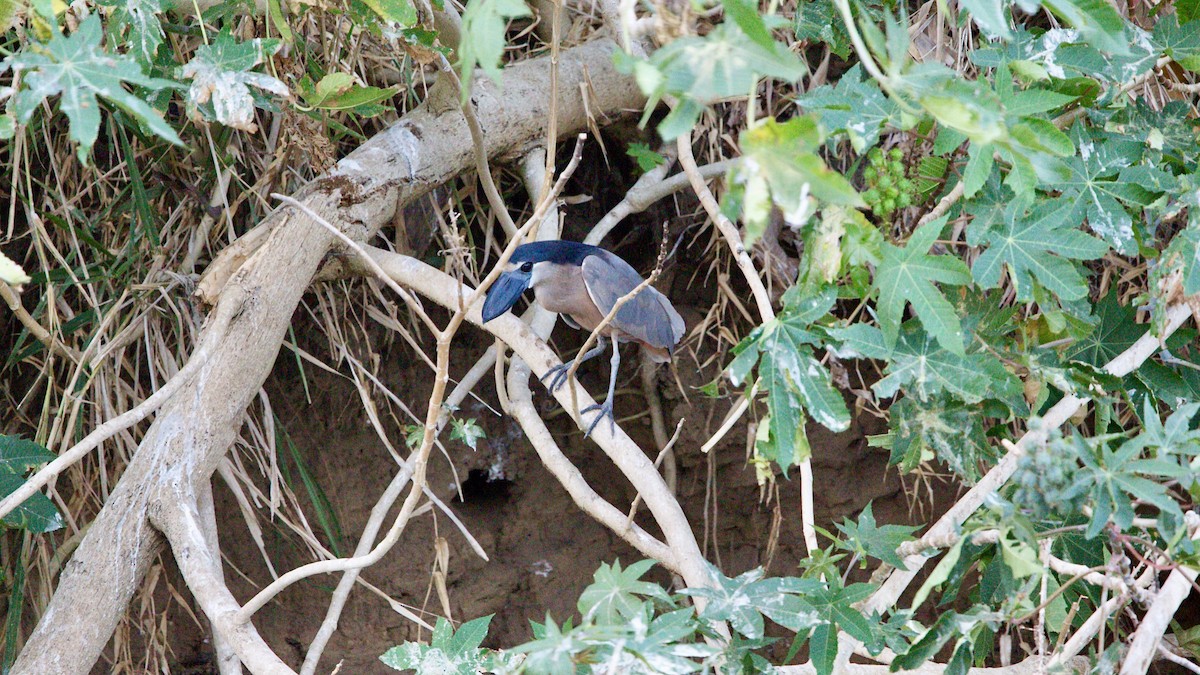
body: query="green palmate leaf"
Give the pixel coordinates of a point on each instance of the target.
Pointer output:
(1034, 246)
(615, 594)
(701, 70)
(145, 29)
(854, 106)
(449, 652)
(1118, 330)
(1175, 436)
(782, 157)
(646, 158)
(483, 26)
(907, 276)
(466, 430)
(795, 381)
(818, 20)
(835, 608)
(1180, 42)
(1114, 479)
(1100, 179)
(923, 368)
(866, 538)
(744, 600)
(220, 74)
(81, 72)
(1096, 20)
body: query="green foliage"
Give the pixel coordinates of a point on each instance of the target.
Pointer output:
(908, 275)
(1073, 213)
(400, 12)
(940, 427)
(36, 514)
(780, 167)
(818, 21)
(646, 158)
(617, 594)
(854, 106)
(140, 19)
(867, 538)
(484, 23)
(1035, 246)
(699, 70)
(76, 67)
(745, 600)
(794, 380)
(338, 91)
(466, 430)
(222, 80)
(635, 626)
(450, 651)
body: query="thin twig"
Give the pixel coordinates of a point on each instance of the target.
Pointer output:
(37, 330)
(481, 159)
(657, 461)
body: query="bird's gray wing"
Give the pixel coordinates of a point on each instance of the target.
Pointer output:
(647, 316)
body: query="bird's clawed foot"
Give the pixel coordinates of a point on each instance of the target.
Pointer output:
(605, 410)
(558, 376)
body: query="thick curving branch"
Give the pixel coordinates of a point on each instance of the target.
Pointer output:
(200, 565)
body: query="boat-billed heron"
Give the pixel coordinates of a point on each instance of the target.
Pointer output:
(583, 283)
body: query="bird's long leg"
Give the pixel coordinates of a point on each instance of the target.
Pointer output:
(606, 408)
(559, 373)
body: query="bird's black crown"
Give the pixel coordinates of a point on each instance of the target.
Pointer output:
(556, 251)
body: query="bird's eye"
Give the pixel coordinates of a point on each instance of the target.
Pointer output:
(526, 267)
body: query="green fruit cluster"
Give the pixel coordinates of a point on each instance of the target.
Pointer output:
(888, 186)
(1047, 480)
